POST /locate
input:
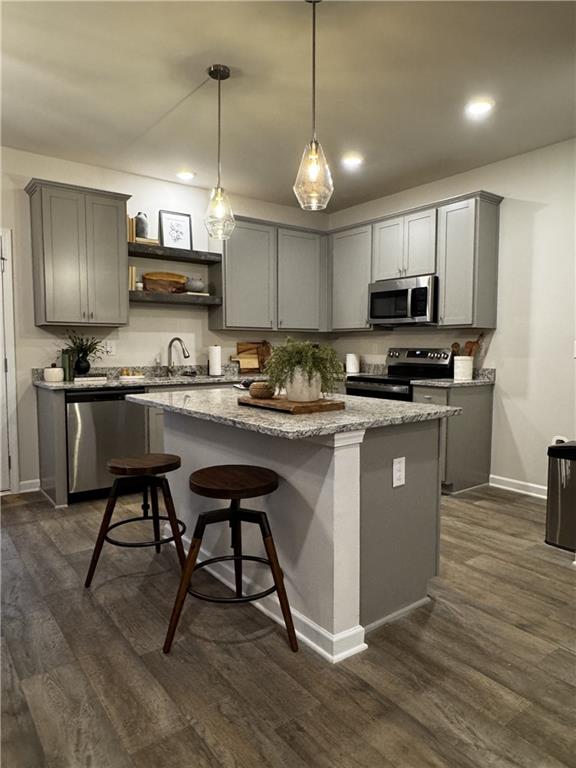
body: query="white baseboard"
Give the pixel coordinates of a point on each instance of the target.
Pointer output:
(396, 615)
(333, 648)
(519, 486)
(27, 486)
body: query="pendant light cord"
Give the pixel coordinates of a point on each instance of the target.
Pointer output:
(219, 131)
(313, 71)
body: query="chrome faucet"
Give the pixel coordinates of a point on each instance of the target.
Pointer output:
(183, 348)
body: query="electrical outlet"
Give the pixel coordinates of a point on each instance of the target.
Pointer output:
(110, 347)
(398, 472)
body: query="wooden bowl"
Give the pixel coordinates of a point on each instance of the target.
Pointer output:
(261, 390)
(164, 282)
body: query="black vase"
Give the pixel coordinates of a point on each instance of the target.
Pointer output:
(81, 366)
(141, 224)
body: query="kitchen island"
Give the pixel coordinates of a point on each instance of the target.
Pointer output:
(356, 551)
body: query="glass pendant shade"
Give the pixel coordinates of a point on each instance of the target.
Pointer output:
(219, 219)
(313, 186)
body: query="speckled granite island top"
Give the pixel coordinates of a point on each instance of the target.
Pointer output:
(221, 406)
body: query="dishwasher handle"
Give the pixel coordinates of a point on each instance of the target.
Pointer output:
(102, 395)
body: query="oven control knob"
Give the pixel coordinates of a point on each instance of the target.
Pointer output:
(444, 355)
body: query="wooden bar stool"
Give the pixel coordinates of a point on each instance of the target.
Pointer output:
(139, 473)
(234, 482)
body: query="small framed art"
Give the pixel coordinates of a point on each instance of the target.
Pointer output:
(175, 230)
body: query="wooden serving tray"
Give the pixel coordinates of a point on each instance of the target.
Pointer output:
(291, 406)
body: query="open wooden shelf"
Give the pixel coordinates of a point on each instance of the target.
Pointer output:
(145, 251)
(149, 297)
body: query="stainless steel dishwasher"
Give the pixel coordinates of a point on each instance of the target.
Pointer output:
(101, 425)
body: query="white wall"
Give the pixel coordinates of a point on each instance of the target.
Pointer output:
(151, 327)
(532, 348)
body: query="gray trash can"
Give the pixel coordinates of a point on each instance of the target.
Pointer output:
(561, 502)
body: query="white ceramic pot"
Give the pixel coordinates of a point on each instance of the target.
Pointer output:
(301, 389)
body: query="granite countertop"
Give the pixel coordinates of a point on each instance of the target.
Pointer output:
(148, 381)
(446, 383)
(221, 406)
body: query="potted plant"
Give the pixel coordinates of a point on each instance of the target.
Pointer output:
(306, 370)
(83, 348)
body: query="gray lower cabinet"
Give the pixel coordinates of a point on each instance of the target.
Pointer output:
(301, 280)
(80, 255)
(351, 256)
(466, 440)
(468, 262)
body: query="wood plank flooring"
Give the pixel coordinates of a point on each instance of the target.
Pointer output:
(484, 676)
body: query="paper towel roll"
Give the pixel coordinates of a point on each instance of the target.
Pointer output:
(352, 363)
(463, 366)
(215, 361)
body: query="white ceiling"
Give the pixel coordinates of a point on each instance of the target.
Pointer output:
(106, 84)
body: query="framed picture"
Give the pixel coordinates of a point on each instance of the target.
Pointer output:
(175, 230)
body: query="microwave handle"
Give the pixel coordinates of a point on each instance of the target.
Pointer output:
(409, 303)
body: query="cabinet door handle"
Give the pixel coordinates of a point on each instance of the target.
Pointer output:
(427, 397)
(91, 315)
(280, 323)
(83, 315)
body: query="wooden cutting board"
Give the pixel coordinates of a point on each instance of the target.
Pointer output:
(291, 406)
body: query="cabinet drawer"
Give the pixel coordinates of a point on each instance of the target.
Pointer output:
(431, 395)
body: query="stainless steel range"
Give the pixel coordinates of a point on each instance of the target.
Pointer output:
(405, 364)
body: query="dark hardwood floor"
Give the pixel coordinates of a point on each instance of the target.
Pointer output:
(483, 676)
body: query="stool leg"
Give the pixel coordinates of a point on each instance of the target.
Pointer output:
(279, 582)
(236, 526)
(145, 505)
(111, 503)
(155, 513)
(171, 512)
(185, 580)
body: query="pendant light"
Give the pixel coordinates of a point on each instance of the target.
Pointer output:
(219, 219)
(313, 186)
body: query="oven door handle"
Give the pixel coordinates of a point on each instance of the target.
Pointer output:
(400, 389)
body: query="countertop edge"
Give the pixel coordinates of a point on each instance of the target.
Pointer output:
(434, 413)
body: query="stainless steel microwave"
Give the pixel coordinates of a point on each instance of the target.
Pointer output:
(407, 300)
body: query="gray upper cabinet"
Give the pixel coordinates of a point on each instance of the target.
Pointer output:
(351, 274)
(404, 246)
(301, 272)
(80, 255)
(468, 262)
(249, 277)
(106, 260)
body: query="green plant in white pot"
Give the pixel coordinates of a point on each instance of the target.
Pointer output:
(306, 370)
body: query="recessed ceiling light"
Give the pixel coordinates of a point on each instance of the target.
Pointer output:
(479, 108)
(352, 160)
(186, 175)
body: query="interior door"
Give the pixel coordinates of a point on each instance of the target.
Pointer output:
(5, 445)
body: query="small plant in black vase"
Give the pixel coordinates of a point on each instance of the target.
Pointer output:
(84, 348)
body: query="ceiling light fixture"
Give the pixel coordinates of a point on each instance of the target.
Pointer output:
(219, 219)
(479, 108)
(185, 175)
(352, 160)
(313, 186)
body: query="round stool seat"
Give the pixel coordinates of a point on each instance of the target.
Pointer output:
(148, 464)
(233, 481)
